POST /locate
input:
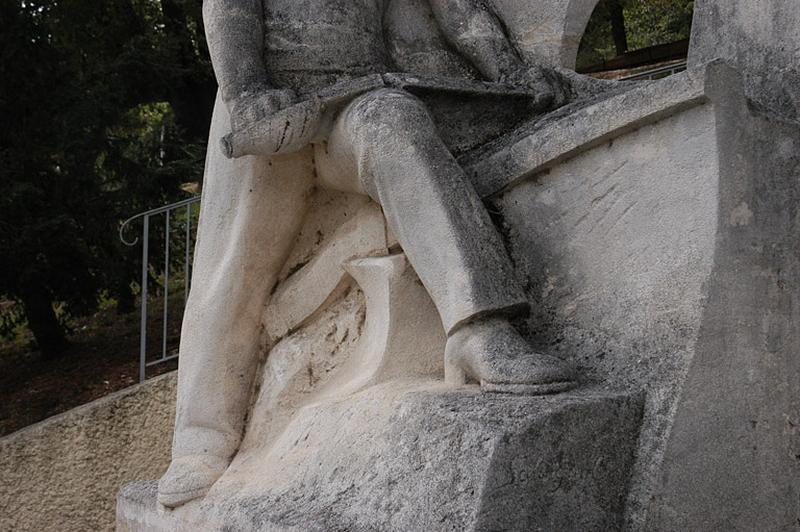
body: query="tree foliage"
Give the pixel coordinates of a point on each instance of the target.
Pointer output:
(645, 22)
(104, 107)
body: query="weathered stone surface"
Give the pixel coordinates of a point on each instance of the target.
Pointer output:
(297, 298)
(424, 457)
(547, 141)
(299, 107)
(732, 461)
(658, 256)
(654, 229)
(549, 31)
(761, 39)
(348, 347)
(63, 473)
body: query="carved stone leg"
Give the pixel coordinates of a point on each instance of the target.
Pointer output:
(252, 210)
(388, 141)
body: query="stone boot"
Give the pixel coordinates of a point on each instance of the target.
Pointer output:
(189, 478)
(492, 352)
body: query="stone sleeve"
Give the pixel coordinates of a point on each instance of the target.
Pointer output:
(477, 33)
(235, 34)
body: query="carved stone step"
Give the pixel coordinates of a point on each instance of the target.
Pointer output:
(424, 457)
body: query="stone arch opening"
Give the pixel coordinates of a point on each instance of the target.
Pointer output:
(623, 37)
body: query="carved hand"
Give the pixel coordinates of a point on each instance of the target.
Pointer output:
(548, 86)
(258, 103)
(267, 126)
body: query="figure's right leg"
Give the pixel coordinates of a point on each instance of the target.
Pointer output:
(389, 141)
(251, 212)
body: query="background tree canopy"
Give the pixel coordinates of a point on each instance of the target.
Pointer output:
(104, 107)
(620, 26)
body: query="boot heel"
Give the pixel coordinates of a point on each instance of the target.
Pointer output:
(453, 374)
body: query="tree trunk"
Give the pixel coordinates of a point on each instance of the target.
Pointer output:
(618, 31)
(43, 322)
(126, 302)
(195, 89)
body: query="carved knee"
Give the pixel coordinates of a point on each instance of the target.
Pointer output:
(388, 115)
(385, 125)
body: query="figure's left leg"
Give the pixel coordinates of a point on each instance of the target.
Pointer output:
(389, 141)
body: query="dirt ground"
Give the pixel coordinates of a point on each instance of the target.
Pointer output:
(103, 357)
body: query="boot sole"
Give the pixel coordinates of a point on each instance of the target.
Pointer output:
(173, 500)
(528, 389)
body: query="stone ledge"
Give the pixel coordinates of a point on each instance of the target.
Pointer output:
(567, 132)
(411, 457)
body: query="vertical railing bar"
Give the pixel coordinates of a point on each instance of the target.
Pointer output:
(188, 251)
(143, 325)
(145, 281)
(166, 285)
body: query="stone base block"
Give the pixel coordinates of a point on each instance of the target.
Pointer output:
(410, 457)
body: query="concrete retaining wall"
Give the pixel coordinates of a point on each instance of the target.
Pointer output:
(64, 473)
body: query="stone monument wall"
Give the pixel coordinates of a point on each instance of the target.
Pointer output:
(759, 37)
(662, 257)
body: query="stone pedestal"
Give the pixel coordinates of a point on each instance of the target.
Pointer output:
(423, 457)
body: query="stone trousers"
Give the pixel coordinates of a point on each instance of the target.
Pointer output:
(383, 144)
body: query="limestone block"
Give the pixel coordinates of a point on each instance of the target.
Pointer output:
(425, 457)
(761, 39)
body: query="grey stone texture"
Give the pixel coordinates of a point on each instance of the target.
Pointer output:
(658, 256)
(732, 459)
(758, 37)
(63, 473)
(547, 30)
(426, 457)
(654, 231)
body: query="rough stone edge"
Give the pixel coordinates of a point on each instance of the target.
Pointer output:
(85, 409)
(586, 128)
(137, 509)
(725, 479)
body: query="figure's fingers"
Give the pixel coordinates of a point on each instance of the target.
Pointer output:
(275, 100)
(258, 106)
(245, 113)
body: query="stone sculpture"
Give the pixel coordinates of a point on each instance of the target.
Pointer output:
(306, 89)
(653, 227)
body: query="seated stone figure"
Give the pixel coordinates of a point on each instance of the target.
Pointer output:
(383, 143)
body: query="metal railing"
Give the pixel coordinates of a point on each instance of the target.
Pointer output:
(175, 211)
(657, 73)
